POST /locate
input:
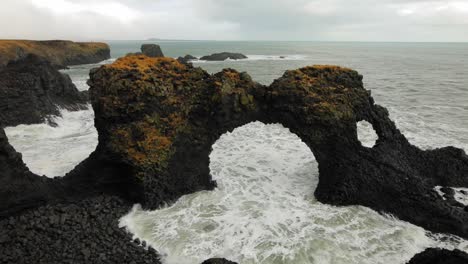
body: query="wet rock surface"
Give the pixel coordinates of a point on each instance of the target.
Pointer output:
(76, 232)
(32, 89)
(224, 56)
(440, 256)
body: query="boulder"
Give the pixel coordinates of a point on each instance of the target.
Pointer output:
(224, 56)
(440, 256)
(186, 59)
(152, 50)
(31, 90)
(60, 53)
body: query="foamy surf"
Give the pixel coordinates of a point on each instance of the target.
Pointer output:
(54, 151)
(264, 211)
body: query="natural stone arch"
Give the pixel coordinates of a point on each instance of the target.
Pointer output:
(157, 120)
(160, 118)
(166, 123)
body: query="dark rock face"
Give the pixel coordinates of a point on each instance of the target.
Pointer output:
(60, 53)
(224, 56)
(31, 89)
(440, 256)
(218, 261)
(77, 232)
(160, 118)
(186, 59)
(152, 50)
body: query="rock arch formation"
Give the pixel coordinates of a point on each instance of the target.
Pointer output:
(157, 120)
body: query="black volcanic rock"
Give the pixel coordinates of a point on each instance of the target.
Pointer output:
(20, 189)
(152, 50)
(440, 256)
(224, 56)
(31, 89)
(80, 231)
(218, 261)
(186, 59)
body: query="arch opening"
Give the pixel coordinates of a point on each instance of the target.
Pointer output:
(54, 151)
(264, 210)
(366, 134)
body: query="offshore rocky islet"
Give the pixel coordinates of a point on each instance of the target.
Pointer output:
(154, 113)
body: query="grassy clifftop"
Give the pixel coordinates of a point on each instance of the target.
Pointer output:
(58, 52)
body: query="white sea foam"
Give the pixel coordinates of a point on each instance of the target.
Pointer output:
(264, 211)
(54, 151)
(366, 134)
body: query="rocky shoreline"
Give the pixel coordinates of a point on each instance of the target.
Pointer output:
(78, 231)
(157, 119)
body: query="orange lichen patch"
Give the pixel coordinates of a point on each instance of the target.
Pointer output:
(231, 74)
(141, 143)
(329, 67)
(146, 64)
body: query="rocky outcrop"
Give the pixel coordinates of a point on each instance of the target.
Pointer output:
(218, 261)
(60, 53)
(440, 256)
(159, 118)
(31, 89)
(224, 56)
(152, 50)
(186, 59)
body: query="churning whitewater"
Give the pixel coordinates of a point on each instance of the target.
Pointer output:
(264, 211)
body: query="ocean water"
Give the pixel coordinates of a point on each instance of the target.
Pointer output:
(264, 210)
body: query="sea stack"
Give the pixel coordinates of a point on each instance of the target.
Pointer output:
(152, 50)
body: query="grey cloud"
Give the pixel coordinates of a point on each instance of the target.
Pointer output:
(385, 20)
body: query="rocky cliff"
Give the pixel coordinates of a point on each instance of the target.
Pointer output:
(31, 89)
(60, 53)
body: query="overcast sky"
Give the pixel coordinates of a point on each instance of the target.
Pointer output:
(341, 20)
